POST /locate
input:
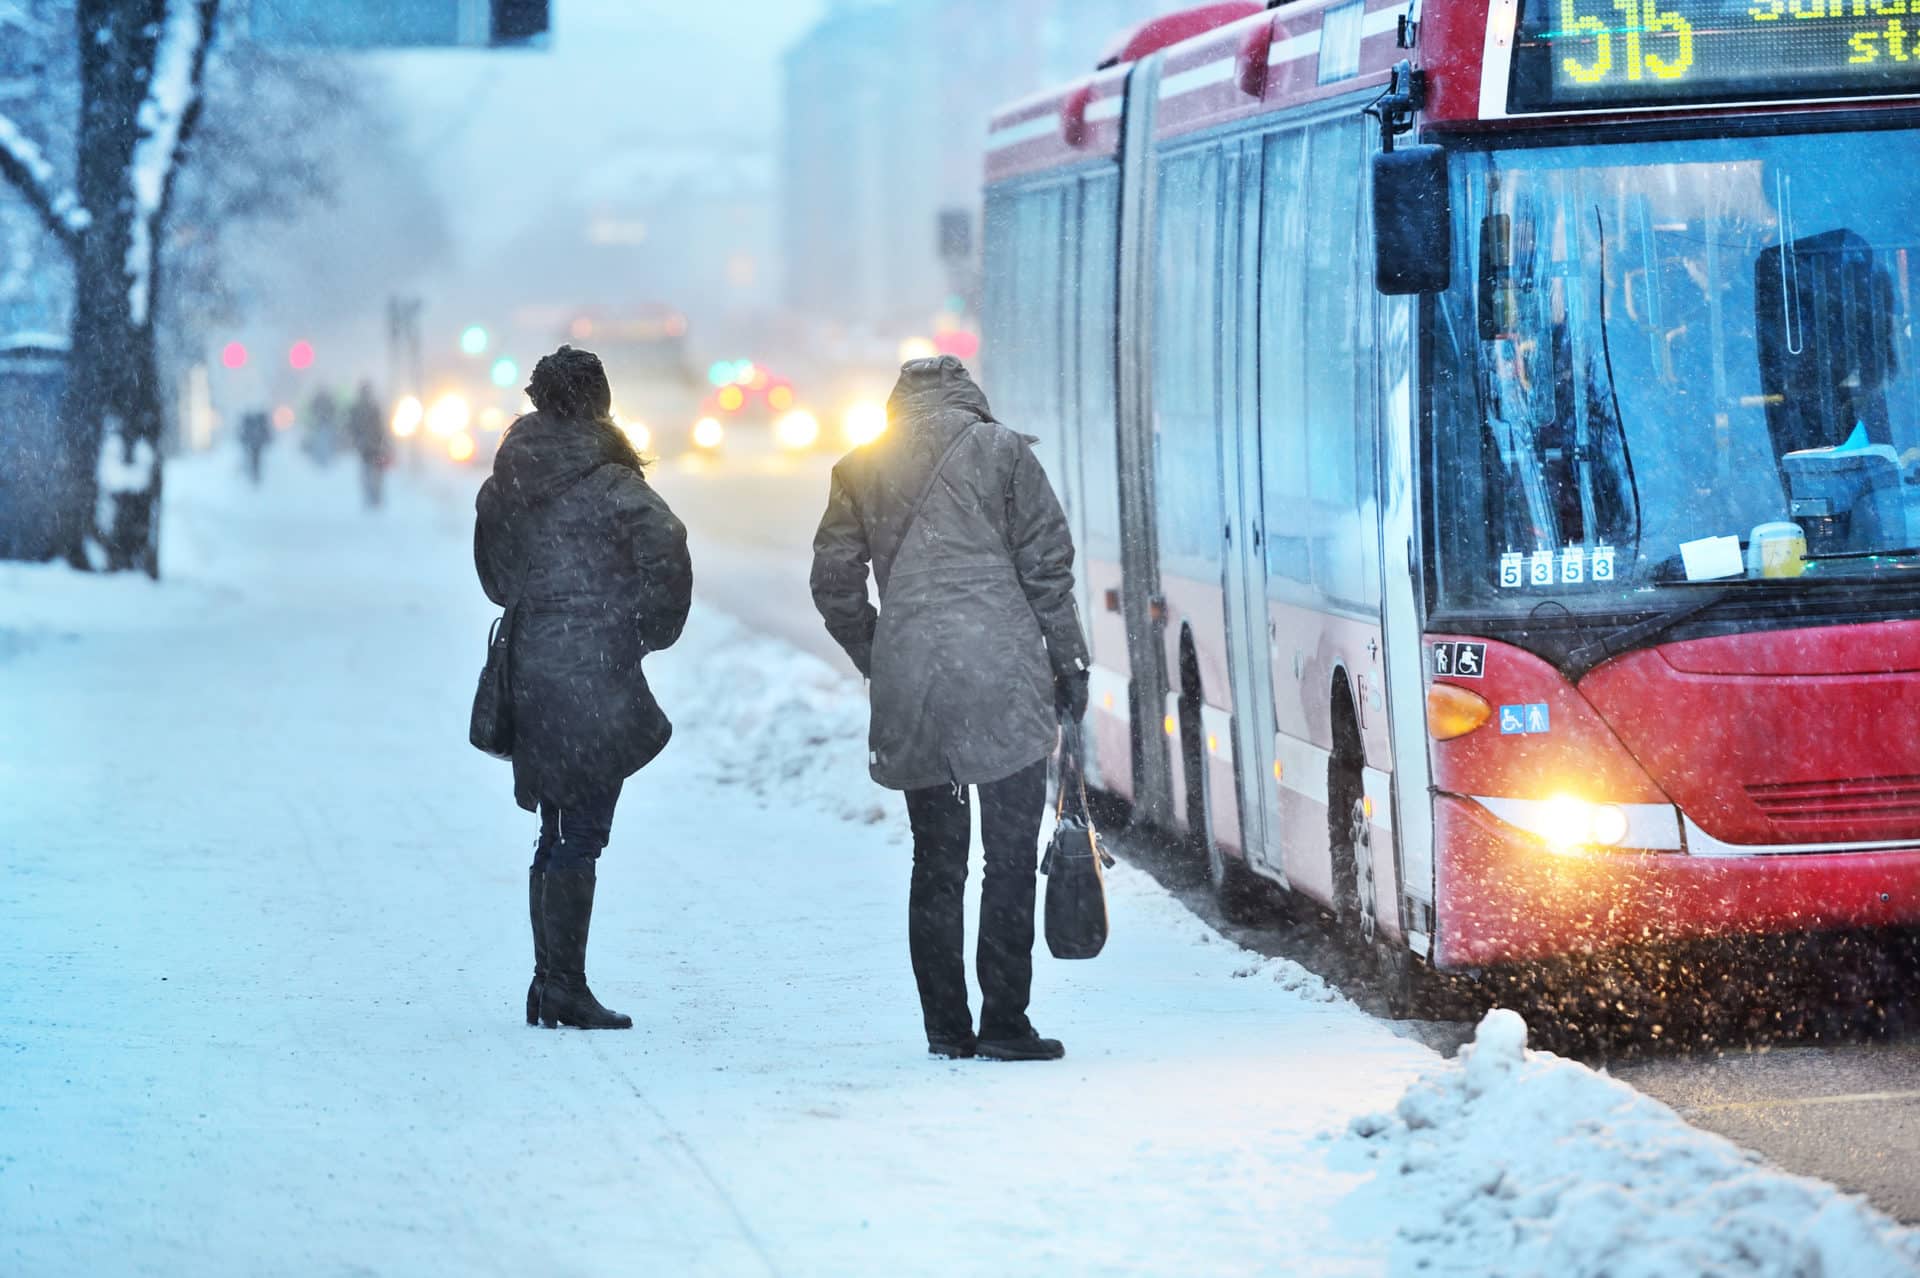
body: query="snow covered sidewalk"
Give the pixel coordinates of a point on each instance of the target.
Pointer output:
(263, 944)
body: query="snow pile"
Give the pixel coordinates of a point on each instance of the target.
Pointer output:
(1292, 977)
(1515, 1162)
(780, 725)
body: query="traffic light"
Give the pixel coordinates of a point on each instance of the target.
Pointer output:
(300, 356)
(473, 340)
(233, 355)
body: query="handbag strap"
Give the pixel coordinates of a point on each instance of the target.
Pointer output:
(1073, 767)
(920, 502)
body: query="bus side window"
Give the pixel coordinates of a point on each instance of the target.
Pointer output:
(1186, 364)
(1283, 354)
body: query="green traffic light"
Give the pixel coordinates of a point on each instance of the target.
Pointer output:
(505, 372)
(474, 340)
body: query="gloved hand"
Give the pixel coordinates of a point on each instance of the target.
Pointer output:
(1070, 695)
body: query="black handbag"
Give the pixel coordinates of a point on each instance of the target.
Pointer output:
(1075, 864)
(491, 726)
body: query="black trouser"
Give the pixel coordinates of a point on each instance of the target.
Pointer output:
(577, 831)
(1010, 813)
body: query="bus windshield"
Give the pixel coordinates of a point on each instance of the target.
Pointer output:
(1653, 349)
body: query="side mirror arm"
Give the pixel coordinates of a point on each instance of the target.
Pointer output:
(1398, 103)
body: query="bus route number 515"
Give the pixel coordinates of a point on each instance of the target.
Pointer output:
(1642, 23)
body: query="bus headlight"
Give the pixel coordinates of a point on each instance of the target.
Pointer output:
(1568, 823)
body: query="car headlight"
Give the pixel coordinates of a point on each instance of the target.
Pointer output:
(798, 429)
(864, 423)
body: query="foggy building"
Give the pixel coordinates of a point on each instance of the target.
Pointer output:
(684, 227)
(886, 104)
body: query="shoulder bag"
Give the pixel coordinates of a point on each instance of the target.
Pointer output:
(1075, 864)
(490, 727)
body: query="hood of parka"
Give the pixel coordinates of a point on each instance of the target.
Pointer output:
(542, 456)
(933, 399)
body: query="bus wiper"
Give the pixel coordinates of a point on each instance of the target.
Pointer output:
(1627, 638)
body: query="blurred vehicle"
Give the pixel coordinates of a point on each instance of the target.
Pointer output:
(644, 350)
(753, 410)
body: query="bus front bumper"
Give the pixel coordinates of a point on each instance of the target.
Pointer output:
(1505, 896)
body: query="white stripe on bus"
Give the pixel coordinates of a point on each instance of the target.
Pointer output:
(1025, 131)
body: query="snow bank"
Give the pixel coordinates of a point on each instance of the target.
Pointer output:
(777, 724)
(1516, 1162)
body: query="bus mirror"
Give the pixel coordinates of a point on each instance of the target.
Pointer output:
(1412, 221)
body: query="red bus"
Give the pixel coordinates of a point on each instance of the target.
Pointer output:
(1492, 429)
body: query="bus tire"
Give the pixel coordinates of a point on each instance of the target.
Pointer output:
(1350, 838)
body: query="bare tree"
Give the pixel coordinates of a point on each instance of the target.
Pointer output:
(277, 130)
(141, 66)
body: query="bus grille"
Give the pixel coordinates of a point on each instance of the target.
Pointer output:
(1873, 800)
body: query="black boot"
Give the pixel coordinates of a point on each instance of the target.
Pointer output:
(568, 910)
(959, 1048)
(535, 882)
(1027, 1047)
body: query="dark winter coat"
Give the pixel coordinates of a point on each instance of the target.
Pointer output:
(977, 614)
(368, 432)
(568, 523)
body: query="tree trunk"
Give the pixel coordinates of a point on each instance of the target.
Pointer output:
(111, 411)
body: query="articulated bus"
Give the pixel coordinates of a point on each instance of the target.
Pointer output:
(1492, 432)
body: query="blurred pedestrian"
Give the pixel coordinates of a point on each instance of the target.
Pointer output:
(974, 657)
(368, 432)
(320, 437)
(592, 567)
(256, 432)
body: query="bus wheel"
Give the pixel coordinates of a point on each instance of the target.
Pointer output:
(1352, 845)
(1366, 918)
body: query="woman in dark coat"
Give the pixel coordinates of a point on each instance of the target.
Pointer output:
(592, 567)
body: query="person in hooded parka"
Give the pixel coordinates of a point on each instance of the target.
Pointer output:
(974, 656)
(593, 568)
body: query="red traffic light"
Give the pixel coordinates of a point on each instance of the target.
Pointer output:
(233, 355)
(301, 356)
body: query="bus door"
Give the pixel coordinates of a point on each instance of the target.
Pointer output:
(1249, 629)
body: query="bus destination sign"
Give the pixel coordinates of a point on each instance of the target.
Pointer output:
(1583, 54)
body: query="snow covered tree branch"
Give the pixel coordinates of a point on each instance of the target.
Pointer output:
(167, 120)
(27, 169)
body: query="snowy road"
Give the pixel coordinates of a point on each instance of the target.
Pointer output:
(262, 945)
